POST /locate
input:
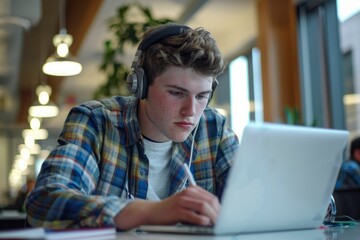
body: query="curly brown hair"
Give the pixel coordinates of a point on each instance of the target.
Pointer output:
(195, 49)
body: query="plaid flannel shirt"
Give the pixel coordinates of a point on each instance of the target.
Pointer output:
(100, 161)
(349, 176)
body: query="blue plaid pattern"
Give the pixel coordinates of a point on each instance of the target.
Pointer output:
(349, 176)
(99, 162)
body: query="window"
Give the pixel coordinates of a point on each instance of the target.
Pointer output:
(245, 90)
(320, 63)
(349, 20)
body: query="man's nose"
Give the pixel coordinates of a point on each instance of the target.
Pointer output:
(188, 107)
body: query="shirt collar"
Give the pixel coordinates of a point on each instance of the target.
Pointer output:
(131, 122)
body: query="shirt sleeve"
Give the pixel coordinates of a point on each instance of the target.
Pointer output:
(349, 175)
(63, 196)
(228, 145)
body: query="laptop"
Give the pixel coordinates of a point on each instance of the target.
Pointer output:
(282, 178)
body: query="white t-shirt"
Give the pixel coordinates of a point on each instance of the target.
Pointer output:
(159, 155)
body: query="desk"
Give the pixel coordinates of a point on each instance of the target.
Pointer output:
(349, 233)
(11, 219)
(344, 233)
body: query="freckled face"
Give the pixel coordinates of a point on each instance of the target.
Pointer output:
(174, 104)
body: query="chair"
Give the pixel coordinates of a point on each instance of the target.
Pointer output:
(347, 202)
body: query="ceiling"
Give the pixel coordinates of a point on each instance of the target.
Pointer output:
(27, 28)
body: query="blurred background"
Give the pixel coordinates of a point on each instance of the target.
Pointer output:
(289, 61)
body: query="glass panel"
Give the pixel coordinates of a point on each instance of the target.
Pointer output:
(320, 61)
(257, 86)
(245, 90)
(349, 20)
(239, 94)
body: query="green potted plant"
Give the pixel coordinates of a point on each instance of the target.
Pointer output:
(292, 116)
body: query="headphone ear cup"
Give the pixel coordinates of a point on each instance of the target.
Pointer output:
(137, 82)
(131, 81)
(143, 86)
(210, 97)
(213, 87)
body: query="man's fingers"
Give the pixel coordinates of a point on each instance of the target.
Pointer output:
(201, 204)
(203, 195)
(193, 217)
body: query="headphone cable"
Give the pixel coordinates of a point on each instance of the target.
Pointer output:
(192, 145)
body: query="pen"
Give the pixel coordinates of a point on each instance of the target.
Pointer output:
(188, 174)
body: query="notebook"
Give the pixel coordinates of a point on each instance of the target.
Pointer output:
(282, 178)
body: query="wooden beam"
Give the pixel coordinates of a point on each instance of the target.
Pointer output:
(279, 60)
(79, 16)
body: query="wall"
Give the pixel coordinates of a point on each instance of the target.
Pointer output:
(4, 154)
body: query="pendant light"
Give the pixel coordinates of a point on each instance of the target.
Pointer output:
(62, 63)
(43, 107)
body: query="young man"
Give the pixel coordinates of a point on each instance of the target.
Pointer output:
(349, 176)
(118, 162)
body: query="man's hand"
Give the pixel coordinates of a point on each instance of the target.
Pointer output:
(192, 205)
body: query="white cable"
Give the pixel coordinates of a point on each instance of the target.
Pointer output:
(192, 145)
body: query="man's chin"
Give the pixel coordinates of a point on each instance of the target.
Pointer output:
(180, 138)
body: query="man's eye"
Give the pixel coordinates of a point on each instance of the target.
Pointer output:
(176, 93)
(203, 96)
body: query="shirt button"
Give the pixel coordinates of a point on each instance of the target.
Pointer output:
(142, 171)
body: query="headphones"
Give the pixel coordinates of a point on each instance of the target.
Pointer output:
(137, 82)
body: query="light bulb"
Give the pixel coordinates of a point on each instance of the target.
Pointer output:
(29, 141)
(44, 98)
(35, 123)
(62, 50)
(25, 153)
